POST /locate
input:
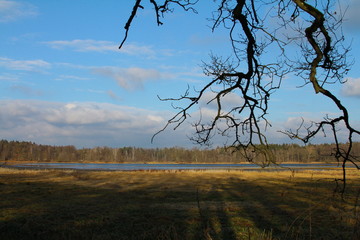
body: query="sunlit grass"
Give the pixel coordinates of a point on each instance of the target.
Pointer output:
(69, 204)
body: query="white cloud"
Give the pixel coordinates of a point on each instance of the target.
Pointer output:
(133, 49)
(228, 101)
(130, 78)
(351, 87)
(80, 123)
(87, 45)
(88, 124)
(9, 77)
(36, 65)
(12, 11)
(302, 125)
(90, 45)
(71, 77)
(82, 114)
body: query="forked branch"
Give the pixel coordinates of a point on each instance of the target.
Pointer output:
(253, 78)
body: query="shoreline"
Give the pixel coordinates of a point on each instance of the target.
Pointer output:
(170, 167)
(175, 163)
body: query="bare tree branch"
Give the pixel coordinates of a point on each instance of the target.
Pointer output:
(313, 27)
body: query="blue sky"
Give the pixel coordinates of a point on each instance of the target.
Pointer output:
(63, 80)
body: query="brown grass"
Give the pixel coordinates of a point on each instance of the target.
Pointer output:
(57, 204)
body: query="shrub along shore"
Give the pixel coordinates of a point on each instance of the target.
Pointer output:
(31, 152)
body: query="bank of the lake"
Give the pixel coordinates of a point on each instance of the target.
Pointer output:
(71, 204)
(175, 166)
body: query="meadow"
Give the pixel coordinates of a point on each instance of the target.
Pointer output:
(69, 204)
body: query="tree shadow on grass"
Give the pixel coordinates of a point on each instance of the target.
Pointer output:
(226, 208)
(300, 210)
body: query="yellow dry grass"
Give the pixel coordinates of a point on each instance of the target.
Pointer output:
(69, 204)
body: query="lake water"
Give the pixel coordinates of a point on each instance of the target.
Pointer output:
(147, 167)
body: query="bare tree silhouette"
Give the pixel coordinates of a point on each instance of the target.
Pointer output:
(255, 26)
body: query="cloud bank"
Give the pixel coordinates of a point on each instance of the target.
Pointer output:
(83, 124)
(90, 124)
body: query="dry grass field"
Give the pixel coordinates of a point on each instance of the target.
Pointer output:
(58, 204)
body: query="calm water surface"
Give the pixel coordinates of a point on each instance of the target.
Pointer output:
(138, 167)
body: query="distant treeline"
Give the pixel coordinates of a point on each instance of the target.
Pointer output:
(28, 151)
